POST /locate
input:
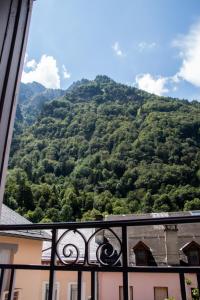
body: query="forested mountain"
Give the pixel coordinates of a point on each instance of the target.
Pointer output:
(33, 96)
(105, 148)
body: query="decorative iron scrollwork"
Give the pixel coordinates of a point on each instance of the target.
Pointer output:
(107, 255)
(69, 253)
(73, 247)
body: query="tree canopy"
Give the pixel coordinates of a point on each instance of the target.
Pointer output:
(103, 148)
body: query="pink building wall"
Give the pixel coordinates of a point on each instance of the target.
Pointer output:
(64, 279)
(30, 283)
(143, 285)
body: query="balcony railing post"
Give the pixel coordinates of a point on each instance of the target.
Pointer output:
(182, 284)
(11, 286)
(125, 263)
(52, 265)
(1, 281)
(93, 285)
(79, 285)
(198, 281)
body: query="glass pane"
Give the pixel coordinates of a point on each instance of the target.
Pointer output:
(47, 292)
(16, 296)
(161, 293)
(120, 293)
(193, 257)
(74, 292)
(131, 293)
(121, 297)
(141, 257)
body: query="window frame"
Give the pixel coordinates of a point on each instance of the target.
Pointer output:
(46, 283)
(190, 256)
(19, 291)
(11, 249)
(191, 289)
(83, 295)
(192, 246)
(161, 287)
(138, 259)
(13, 46)
(140, 246)
(130, 292)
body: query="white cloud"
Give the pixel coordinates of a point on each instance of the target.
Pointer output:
(31, 64)
(175, 78)
(189, 70)
(118, 51)
(189, 46)
(152, 84)
(66, 73)
(45, 72)
(146, 46)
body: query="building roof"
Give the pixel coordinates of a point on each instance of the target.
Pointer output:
(10, 217)
(75, 241)
(153, 236)
(153, 215)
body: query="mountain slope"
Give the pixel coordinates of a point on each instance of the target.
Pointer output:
(33, 96)
(109, 148)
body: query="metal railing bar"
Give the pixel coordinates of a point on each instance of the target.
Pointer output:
(85, 268)
(1, 281)
(125, 263)
(182, 285)
(11, 287)
(198, 280)
(52, 265)
(104, 224)
(24, 267)
(93, 285)
(79, 285)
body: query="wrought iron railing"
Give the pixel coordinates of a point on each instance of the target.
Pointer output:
(107, 259)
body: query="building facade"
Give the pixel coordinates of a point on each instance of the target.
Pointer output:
(21, 247)
(33, 247)
(157, 245)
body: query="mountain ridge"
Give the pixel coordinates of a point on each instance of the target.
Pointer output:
(104, 147)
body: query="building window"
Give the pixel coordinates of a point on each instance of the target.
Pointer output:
(195, 293)
(121, 297)
(7, 252)
(16, 295)
(192, 251)
(46, 291)
(6, 258)
(193, 257)
(141, 254)
(160, 293)
(141, 257)
(73, 291)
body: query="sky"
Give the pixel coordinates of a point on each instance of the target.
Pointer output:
(150, 44)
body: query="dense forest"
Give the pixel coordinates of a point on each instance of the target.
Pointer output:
(102, 148)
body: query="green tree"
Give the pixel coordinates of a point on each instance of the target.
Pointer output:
(192, 205)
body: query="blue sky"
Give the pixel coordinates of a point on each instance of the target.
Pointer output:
(151, 44)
